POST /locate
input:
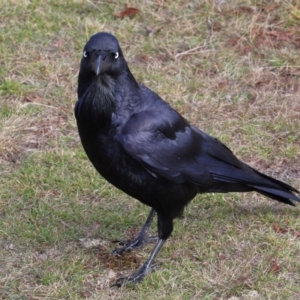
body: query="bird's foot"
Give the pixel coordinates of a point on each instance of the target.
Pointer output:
(136, 243)
(136, 277)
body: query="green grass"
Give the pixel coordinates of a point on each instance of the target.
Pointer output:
(230, 67)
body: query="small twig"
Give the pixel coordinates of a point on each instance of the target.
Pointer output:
(90, 2)
(39, 104)
(192, 50)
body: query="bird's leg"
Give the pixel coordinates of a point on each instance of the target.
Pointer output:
(144, 270)
(141, 239)
(164, 228)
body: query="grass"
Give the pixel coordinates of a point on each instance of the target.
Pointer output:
(231, 67)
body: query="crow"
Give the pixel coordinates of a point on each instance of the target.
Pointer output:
(145, 148)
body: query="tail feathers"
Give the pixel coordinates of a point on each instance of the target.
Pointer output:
(275, 189)
(248, 179)
(284, 196)
(277, 183)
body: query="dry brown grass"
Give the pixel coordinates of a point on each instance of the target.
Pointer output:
(231, 67)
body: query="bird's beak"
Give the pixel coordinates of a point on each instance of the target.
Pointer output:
(97, 65)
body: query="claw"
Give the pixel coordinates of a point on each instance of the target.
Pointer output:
(140, 240)
(137, 243)
(148, 267)
(136, 277)
(124, 280)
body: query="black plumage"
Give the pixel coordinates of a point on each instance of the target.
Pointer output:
(144, 147)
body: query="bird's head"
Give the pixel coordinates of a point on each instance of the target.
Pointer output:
(102, 55)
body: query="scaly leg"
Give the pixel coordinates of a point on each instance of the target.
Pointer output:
(144, 270)
(141, 239)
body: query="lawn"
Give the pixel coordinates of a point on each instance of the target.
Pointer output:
(231, 68)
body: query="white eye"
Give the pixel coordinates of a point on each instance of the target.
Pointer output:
(116, 55)
(84, 54)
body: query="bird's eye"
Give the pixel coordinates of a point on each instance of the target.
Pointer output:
(116, 55)
(84, 54)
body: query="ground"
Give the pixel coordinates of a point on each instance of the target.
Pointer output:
(230, 67)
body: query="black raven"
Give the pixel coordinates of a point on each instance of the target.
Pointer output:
(145, 148)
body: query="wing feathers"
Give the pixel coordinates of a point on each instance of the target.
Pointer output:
(167, 146)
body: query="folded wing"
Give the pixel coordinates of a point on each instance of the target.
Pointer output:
(167, 146)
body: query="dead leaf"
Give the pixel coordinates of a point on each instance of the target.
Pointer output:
(274, 268)
(279, 229)
(128, 12)
(32, 98)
